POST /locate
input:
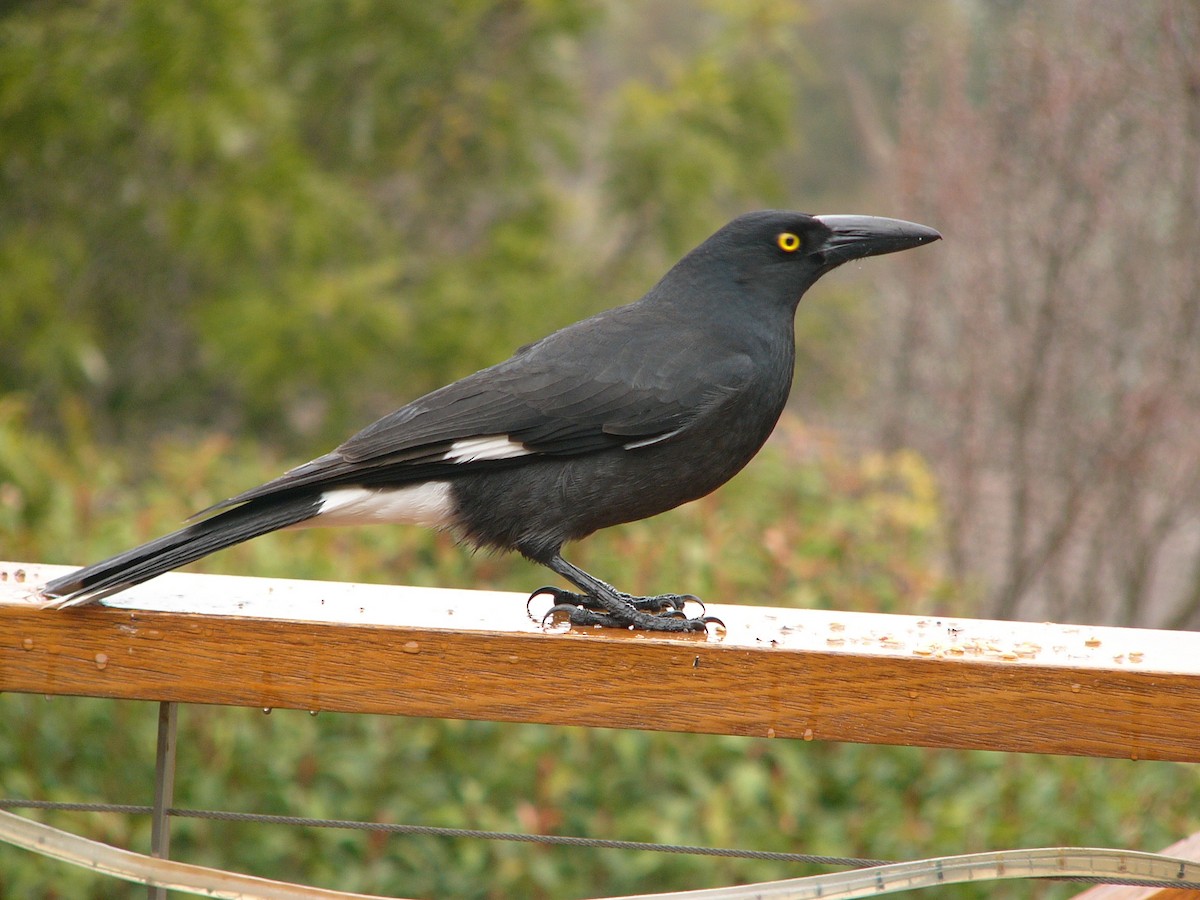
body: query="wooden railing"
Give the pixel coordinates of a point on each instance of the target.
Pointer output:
(785, 673)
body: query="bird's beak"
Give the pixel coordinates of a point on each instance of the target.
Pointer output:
(855, 237)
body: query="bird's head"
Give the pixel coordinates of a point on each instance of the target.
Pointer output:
(778, 255)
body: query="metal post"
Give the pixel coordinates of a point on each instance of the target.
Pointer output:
(164, 788)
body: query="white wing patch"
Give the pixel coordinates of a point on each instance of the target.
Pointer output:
(654, 439)
(491, 446)
(429, 503)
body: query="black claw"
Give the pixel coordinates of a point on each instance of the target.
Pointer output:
(682, 624)
(684, 598)
(560, 596)
(569, 608)
(556, 592)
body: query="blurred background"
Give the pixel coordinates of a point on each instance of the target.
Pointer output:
(231, 234)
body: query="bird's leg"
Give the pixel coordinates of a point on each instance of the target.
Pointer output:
(601, 604)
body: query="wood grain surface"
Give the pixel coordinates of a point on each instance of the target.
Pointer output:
(783, 673)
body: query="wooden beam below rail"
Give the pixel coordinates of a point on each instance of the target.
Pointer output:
(787, 673)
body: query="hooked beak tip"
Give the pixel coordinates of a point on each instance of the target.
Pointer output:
(856, 237)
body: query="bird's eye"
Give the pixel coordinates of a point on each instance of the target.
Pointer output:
(788, 242)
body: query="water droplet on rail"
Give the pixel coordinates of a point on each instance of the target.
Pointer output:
(770, 732)
(19, 576)
(314, 712)
(1075, 688)
(808, 734)
(27, 644)
(266, 710)
(101, 660)
(411, 647)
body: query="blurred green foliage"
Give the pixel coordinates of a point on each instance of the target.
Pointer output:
(280, 220)
(230, 201)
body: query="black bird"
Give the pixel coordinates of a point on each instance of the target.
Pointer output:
(624, 415)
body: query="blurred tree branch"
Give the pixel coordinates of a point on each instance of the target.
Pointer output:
(1048, 365)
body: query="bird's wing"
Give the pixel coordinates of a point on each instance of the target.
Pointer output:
(526, 406)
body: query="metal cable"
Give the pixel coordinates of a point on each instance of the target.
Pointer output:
(167, 874)
(1057, 863)
(440, 831)
(1072, 863)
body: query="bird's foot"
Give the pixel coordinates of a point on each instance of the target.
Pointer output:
(662, 603)
(660, 613)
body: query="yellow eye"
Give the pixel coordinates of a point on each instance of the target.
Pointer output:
(788, 242)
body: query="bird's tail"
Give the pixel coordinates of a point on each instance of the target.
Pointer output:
(99, 580)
